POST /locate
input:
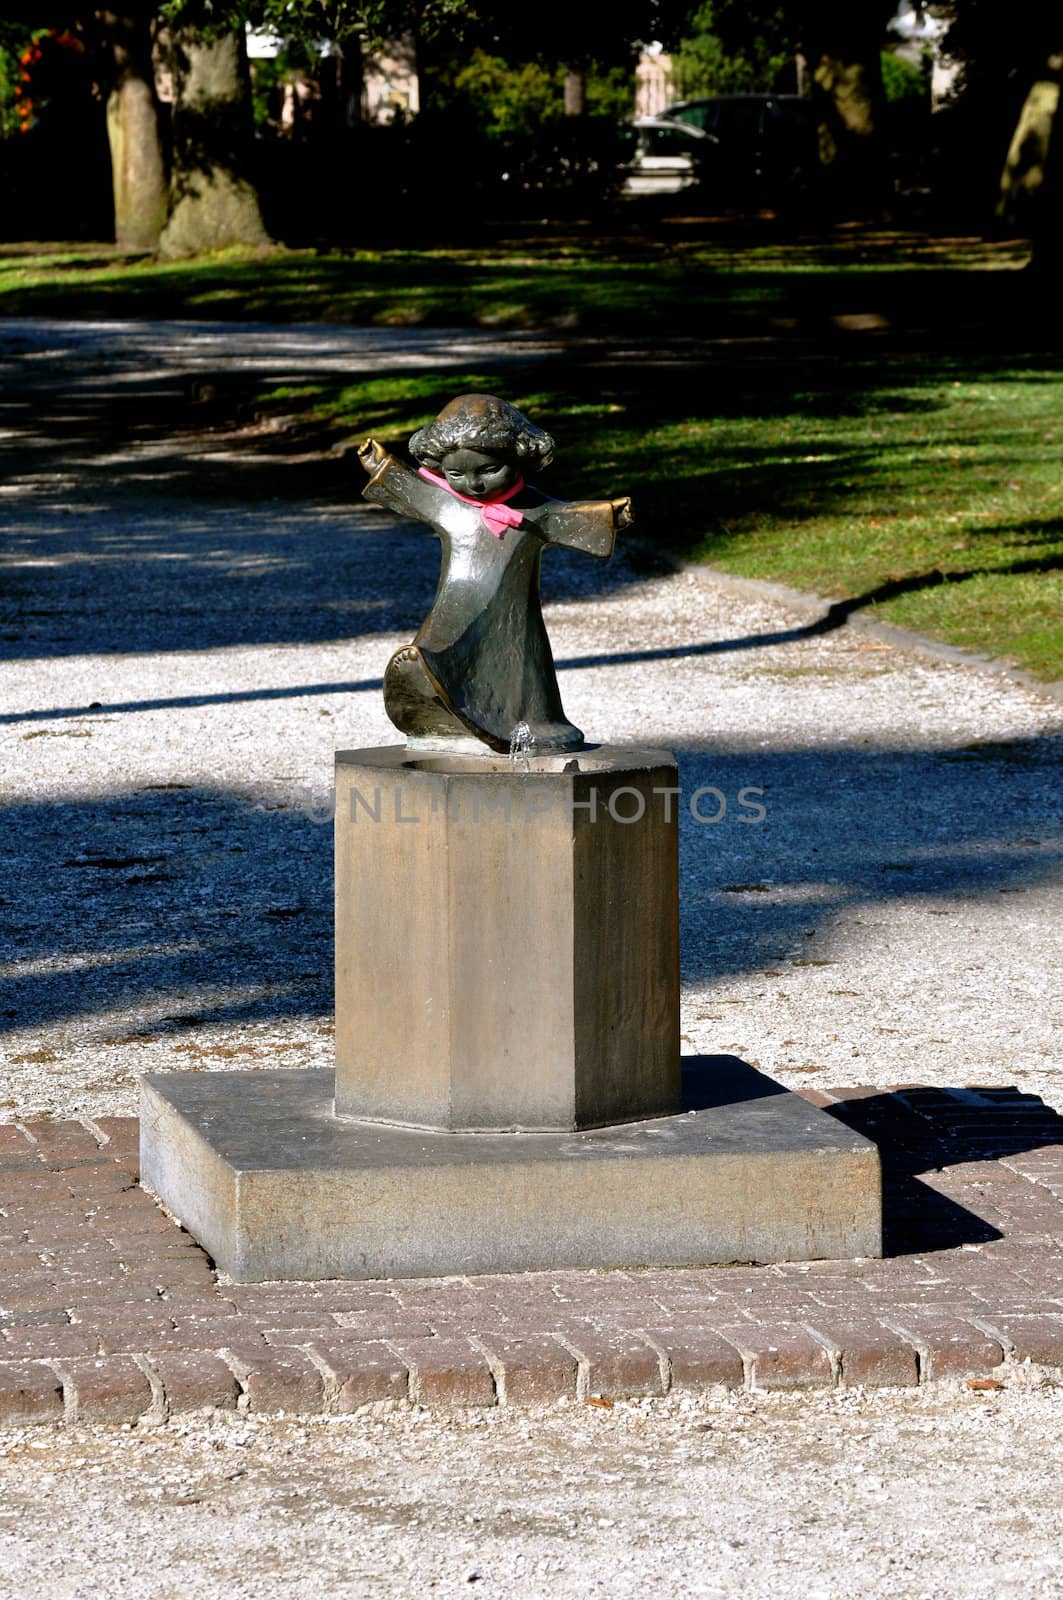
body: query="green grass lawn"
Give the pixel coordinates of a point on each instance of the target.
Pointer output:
(929, 492)
(871, 417)
(667, 279)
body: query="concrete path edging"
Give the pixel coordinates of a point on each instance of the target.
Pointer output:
(818, 609)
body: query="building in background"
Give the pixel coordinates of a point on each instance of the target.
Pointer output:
(654, 88)
(390, 87)
(919, 31)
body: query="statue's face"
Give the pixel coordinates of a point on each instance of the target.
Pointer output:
(478, 473)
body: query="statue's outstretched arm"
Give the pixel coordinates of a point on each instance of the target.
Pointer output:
(587, 525)
(393, 485)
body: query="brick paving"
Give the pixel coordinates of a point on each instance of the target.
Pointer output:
(110, 1313)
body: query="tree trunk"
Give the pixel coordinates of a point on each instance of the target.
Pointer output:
(1033, 150)
(351, 86)
(213, 203)
(842, 47)
(138, 172)
(850, 96)
(575, 91)
(341, 81)
(1046, 263)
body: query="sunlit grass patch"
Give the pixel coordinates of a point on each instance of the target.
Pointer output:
(930, 500)
(636, 279)
(923, 486)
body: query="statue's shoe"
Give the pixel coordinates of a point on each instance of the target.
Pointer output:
(414, 701)
(419, 708)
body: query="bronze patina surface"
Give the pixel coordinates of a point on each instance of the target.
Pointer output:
(480, 663)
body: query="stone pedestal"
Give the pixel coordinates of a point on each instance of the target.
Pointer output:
(274, 1186)
(507, 941)
(507, 1094)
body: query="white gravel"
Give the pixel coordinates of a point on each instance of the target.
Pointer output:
(933, 1495)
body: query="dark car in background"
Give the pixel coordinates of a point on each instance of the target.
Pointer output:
(736, 150)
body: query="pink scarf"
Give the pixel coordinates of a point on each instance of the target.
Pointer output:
(495, 513)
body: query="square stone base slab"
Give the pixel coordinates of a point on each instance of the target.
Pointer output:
(273, 1186)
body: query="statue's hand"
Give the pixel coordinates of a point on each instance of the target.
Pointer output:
(623, 516)
(372, 455)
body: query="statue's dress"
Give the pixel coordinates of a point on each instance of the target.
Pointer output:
(480, 662)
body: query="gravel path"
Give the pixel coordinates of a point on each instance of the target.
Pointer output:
(191, 621)
(943, 1496)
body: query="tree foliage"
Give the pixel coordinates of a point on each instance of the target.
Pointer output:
(344, 22)
(518, 101)
(731, 50)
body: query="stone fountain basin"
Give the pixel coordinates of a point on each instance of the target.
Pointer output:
(563, 763)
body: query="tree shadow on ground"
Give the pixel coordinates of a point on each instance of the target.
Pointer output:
(168, 907)
(139, 486)
(598, 284)
(846, 829)
(172, 905)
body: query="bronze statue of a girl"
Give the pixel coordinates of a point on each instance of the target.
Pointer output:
(481, 663)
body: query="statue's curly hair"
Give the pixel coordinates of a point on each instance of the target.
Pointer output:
(482, 422)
